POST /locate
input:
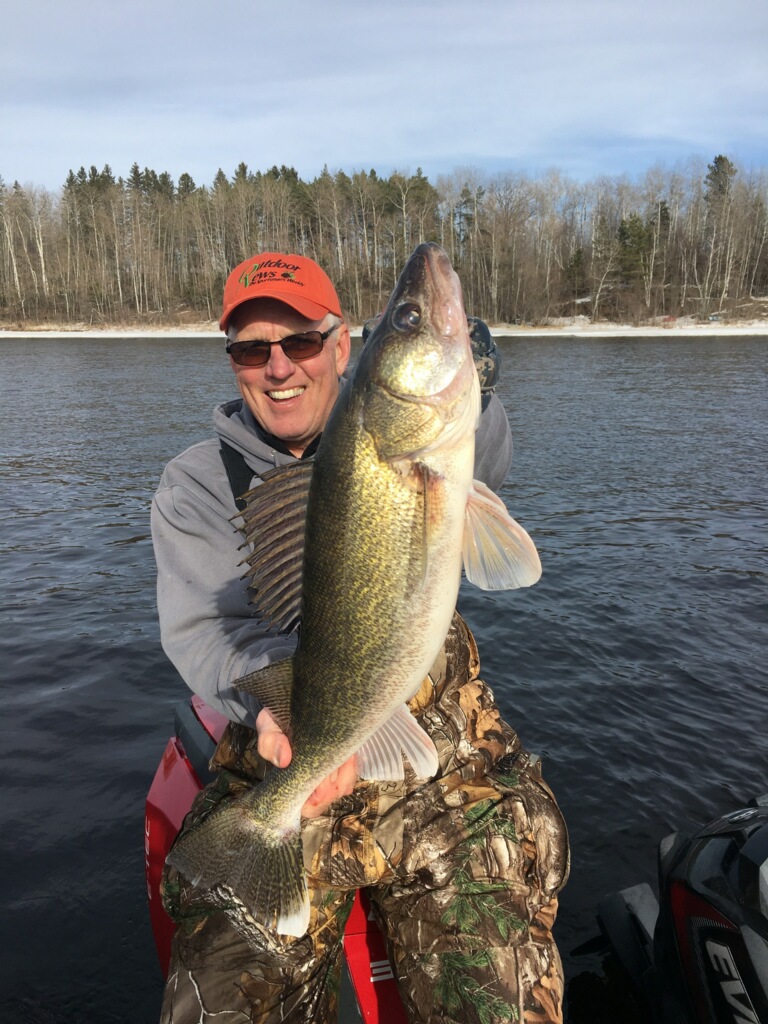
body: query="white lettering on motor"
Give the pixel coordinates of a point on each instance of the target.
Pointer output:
(735, 994)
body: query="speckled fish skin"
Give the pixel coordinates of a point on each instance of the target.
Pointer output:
(382, 567)
(386, 519)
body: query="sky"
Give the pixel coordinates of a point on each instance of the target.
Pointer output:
(585, 87)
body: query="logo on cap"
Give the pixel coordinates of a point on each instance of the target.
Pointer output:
(249, 277)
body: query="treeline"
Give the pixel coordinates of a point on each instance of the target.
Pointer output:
(147, 249)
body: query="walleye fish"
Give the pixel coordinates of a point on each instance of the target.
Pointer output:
(363, 546)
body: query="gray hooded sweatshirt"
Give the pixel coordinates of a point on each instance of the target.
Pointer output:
(208, 628)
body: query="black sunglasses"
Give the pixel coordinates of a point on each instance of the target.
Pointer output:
(295, 346)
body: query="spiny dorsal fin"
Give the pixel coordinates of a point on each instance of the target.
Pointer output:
(274, 520)
(272, 685)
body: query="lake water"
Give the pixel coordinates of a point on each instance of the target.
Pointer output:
(636, 667)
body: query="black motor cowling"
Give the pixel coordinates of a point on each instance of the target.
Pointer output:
(711, 938)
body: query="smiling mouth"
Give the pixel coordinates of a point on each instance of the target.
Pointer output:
(282, 396)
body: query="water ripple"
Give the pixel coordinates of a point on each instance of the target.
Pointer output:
(636, 667)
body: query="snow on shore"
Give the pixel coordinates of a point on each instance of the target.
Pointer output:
(572, 327)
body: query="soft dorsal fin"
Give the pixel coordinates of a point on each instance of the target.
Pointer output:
(274, 520)
(272, 685)
(498, 553)
(381, 756)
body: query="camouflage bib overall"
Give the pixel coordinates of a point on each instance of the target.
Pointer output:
(462, 872)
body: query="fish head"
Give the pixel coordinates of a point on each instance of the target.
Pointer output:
(417, 363)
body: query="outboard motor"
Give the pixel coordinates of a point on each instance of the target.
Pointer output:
(711, 939)
(699, 955)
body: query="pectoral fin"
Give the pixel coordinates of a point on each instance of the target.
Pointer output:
(498, 553)
(381, 757)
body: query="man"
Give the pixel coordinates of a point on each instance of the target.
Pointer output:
(463, 872)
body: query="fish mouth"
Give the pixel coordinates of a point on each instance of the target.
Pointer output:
(420, 349)
(430, 283)
(420, 354)
(446, 302)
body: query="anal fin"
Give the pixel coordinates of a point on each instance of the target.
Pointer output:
(381, 756)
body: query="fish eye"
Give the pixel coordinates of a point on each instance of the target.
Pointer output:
(406, 317)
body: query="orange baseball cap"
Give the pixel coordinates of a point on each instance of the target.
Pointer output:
(296, 280)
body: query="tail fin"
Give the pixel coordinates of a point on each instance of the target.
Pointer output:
(262, 867)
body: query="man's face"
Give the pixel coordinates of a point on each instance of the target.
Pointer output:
(290, 400)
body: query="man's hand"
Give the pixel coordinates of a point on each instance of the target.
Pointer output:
(273, 746)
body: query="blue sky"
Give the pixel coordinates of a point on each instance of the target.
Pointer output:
(588, 87)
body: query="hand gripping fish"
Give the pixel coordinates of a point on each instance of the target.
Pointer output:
(363, 546)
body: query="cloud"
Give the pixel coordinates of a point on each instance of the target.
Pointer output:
(596, 87)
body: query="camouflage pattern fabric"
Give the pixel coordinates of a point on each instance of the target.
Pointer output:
(485, 353)
(462, 871)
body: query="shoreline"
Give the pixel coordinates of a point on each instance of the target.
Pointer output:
(575, 330)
